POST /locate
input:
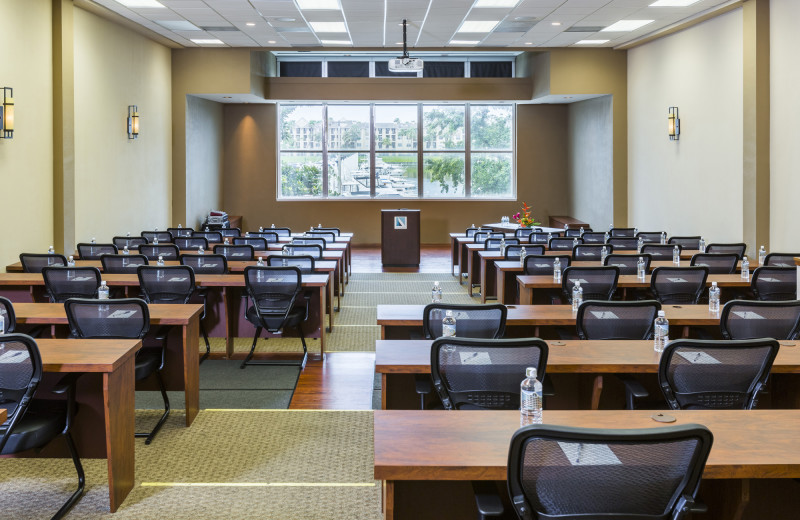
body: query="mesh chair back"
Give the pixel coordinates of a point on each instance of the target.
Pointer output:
(590, 251)
(206, 264)
(660, 252)
(563, 243)
(540, 237)
(309, 241)
(745, 319)
(598, 283)
(708, 374)
(303, 262)
(335, 230)
(649, 237)
(280, 231)
(717, 263)
(575, 232)
(180, 232)
(523, 232)
(213, 237)
(472, 321)
(481, 236)
(493, 244)
(7, 312)
(240, 252)
(581, 473)
(132, 243)
(164, 237)
(624, 243)
(273, 291)
(166, 284)
(93, 251)
(191, 243)
(617, 320)
(781, 259)
(121, 264)
(269, 236)
(774, 283)
(513, 251)
(542, 265)
(470, 232)
(258, 243)
(230, 232)
(124, 318)
(594, 238)
(63, 283)
(314, 251)
(685, 242)
(678, 285)
(327, 235)
(153, 251)
(20, 374)
(737, 249)
(484, 373)
(628, 264)
(35, 262)
(620, 232)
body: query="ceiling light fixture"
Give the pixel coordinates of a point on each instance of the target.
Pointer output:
(208, 41)
(250, 24)
(555, 23)
(496, 3)
(141, 4)
(328, 27)
(673, 3)
(335, 42)
(318, 4)
(626, 25)
(478, 26)
(464, 42)
(591, 42)
(272, 41)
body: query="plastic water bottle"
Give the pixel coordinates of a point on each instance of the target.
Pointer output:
(247, 233)
(128, 234)
(319, 226)
(762, 256)
(566, 228)
(663, 237)
(557, 270)
(449, 324)
(713, 298)
(201, 250)
(71, 261)
(155, 240)
(603, 254)
(582, 231)
(226, 241)
(179, 226)
(635, 231)
(701, 245)
(640, 270)
(522, 255)
(745, 268)
(125, 251)
(436, 293)
(503, 246)
(260, 229)
(610, 227)
(574, 242)
(2, 324)
(639, 245)
(206, 229)
(577, 296)
(156, 229)
(160, 260)
(661, 333)
(606, 237)
(549, 237)
(94, 240)
(676, 255)
(102, 292)
(272, 226)
(51, 250)
(260, 261)
(530, 398)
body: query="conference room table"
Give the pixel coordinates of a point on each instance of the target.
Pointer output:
(226, 312)
(423, 456)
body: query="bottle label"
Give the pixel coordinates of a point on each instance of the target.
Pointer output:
(448, 330)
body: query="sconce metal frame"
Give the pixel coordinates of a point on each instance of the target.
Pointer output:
(7, 114)
(133, 121)
(673, 124)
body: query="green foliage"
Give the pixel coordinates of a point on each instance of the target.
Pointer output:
(301, 180)
(446, 126)
(287, 139)
(447, 169)
(491, 175)
(491, 128)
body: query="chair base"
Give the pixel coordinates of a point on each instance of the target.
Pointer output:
(205, 338)
(73, 499)
(150, 436)
(249, 359)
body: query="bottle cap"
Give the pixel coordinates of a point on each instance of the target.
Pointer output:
(530, 372)
(448, 313)
(577, 283)
(661, 314)
(103, 283)
(713, 284)
(436, 284)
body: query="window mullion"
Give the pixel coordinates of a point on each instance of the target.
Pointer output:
(467, 152)
(373, 175)
(325, 150)
(419, 150)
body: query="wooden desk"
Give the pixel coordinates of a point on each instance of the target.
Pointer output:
(512, 227)
(104, 424)
(3, 415)
(182, 370)
(440, 448)
(570, 222)
(528, 284)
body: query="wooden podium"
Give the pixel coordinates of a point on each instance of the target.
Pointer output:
(400, 237)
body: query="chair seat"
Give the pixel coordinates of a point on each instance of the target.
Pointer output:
(147, 361)
(273, 323)
(44, 420)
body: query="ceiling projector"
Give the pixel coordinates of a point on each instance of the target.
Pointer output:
(405, 63)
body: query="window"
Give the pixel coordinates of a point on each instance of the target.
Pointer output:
(387, 150)
(324, 65)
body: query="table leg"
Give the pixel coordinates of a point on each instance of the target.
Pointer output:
(453, 254)
(118, 408)
(329, 285)
(191, 368)
(384, 379)
(501, 286)
(525, 295)
(229, 321)
(483, 280)
(388, 500)
(322, 320)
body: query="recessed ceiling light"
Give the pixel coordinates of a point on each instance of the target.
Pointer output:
(528, 43)
(591, 42)
(318, 4)
(328, 27)
(284, 19)
(496, 3)
(673, 3)
(477, 26)
(250, 24)
(272, 41)
(398, 43)
(136, 4)
(464, 42)
(555, 23)
(209, 41)
(335, 42)
(627, 25)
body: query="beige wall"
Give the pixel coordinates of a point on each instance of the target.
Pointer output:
(26, 161)
(784, 112)
(692, 186)
(121, 184)
(250, 180)
(591, 161)
(204, 164)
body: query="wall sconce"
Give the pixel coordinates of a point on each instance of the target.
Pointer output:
(133, 122)
(7, 114)
(674, 124)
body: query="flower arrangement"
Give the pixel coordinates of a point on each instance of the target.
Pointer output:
(524, 218)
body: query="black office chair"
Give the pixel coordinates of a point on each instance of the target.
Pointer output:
(122, 318)
(329, 236)
(470, 232)
(523, 233)
(63, 283)
(590, 473)
(93, 251)
(542, 265)
(717, 263)
(737, 249)
(132, 243)
(540, 237)
(122, 264)
(589, 252)
(575, 232)
(661, 252)
(781, 259)
(624, 243)
(774, 283)
(270, 236)
(314, 250)
(9, 317)
(598, 283)
(617, 232)
(278, 302)
(493, 244)
(513, 251)
(166, 284)
(258, 243)
(239, 252)
(205, 264)
(472, 321)
(594, 238)
(310, 241)
(628, 264)
(213, 237)
(712, 375)
(194, 243)
(280, 231)
(184, 232)
(482, 234)
(649, 237)
(303, 262)
(335, 230)
(745, 319)
(35, 262)
(163, 237)
(153, 251)
(32, 421)
(563, 243)
(692, 242)
(230, 232)
(678, 285)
